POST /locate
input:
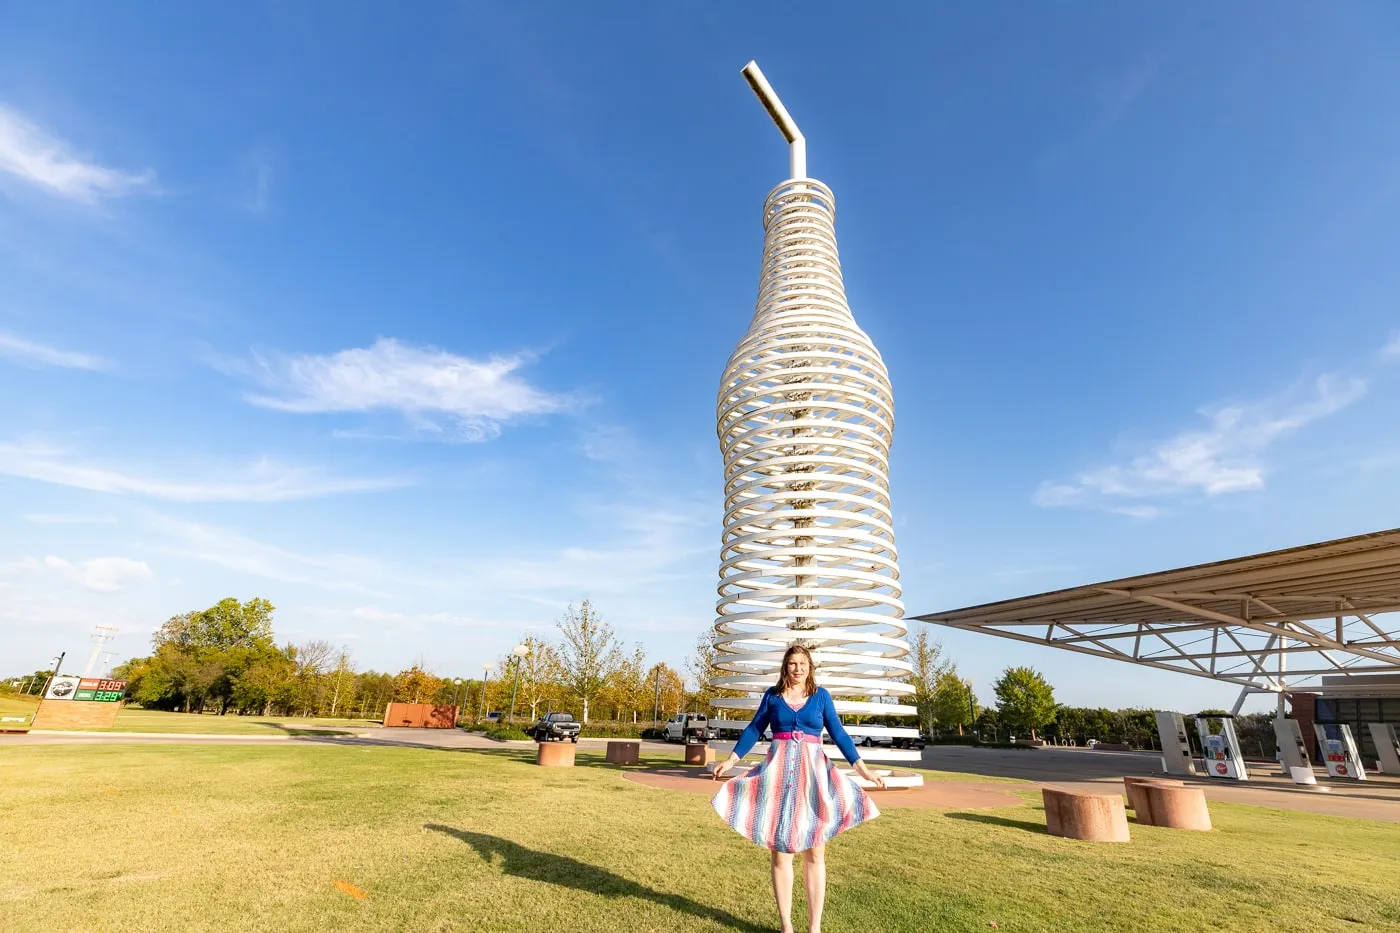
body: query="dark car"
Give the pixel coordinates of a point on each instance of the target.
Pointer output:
(556, 727)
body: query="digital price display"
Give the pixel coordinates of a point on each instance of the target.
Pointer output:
(100, 691)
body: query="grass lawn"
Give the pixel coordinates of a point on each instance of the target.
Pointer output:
(130, 719)
(115, 837)
(15, 705)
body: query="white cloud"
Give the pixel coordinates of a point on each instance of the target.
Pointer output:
(1136, 511)
(227, 548)
(1226, 457)
(260, 481)
(102, 574)
(61, 518)
(29, 153)
(646, 546)
(440, 393)
(27, 351)
(1392, 349)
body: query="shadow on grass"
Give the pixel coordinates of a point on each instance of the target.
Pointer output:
(1028, 825)
(571, 873)
(311, 731)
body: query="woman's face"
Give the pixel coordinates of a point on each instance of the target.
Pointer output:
(797, 668)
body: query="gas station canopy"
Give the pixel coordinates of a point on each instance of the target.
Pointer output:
(1272, 622)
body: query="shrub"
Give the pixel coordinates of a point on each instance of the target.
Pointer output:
(613, 730)
(506, 734)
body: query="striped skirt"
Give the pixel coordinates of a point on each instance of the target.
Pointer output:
(794, 800)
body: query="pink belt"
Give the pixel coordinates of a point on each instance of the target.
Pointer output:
(798, 736)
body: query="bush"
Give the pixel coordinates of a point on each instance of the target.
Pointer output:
(506, 734)
(613, 730)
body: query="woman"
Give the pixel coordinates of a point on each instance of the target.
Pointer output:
(795, 800)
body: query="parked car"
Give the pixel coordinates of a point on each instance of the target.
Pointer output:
(688, 727)
(556, 727)
(870, 741)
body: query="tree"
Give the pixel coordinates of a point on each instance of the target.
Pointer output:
(343, 682)
(1025, 699)
(928, 663)
(415, 685)
(953, 702)
(588, 655)
(539, 674)
(630, 683)
(666, 688)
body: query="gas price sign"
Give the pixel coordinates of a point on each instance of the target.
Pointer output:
(100, 691)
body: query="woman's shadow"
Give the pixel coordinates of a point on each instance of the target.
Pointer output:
(571, 873)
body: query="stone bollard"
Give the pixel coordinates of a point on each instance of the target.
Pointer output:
(1137, 797)
(624, 753)
(1091, 817)
(556, 754)
(699, 755)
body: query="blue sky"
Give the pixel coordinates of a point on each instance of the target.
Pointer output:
(413, 322)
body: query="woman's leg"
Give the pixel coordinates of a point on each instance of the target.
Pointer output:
(814, 881)
(782, 888)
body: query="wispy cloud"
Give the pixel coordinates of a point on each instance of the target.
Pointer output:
(61, 518)
(442, 395)
(29, 153)
(647, 545)
(100, 574)
(258, 168)
(1392, 349)
(227, 548)
(260, 481)
(27, 351)
(1113, 97)
(1226, 457)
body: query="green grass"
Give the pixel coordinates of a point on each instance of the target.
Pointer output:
(130, 719)
(139, 838)
(16, 705)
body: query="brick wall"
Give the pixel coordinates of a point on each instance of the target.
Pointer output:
(75, 714)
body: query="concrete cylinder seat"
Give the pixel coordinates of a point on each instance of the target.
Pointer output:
(624, 753)
(1090, 817)
(1177, 807)
(555, 754)
(699, 755)
(1137, 797)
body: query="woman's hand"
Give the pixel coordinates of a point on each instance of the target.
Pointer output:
(864, 771)
(721, 769)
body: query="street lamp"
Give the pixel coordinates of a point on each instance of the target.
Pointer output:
(518, 652)
(457, 695)
(481, 708)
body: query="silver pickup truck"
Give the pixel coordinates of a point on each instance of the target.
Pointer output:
(688, 727)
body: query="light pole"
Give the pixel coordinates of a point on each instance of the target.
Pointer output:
(457, 695)
(656, 704)
(57, 664)
(481, 708)
(518, 652)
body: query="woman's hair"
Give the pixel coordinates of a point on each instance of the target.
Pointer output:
(810, 687)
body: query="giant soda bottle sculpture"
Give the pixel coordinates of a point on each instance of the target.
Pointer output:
(805, 421)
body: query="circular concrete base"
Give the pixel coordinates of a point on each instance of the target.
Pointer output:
(935, 795)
